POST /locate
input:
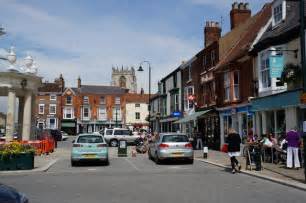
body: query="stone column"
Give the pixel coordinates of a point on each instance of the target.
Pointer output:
(20, 114)
(10, 117)
(27, 116)
(264, 122)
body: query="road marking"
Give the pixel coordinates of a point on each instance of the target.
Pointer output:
(133, 165)
(92, 169)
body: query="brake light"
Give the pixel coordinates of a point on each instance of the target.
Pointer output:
(77, 145)
(162, 145)
(102, 145)
(189, 145)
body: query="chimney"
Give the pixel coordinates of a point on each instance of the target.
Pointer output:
(79, 82)
(239, 14)
(212, 32)
(60, 82)
(141, 91)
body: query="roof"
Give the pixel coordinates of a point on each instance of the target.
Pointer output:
(247, 34)
(49, 87)
(139, 98)
(285, 31)
(100, 89)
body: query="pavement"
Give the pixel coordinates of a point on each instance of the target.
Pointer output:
(273, 172)
(138, 179)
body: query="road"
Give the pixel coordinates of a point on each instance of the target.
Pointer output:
(131, 180)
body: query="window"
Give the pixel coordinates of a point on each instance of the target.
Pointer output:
(85, 99)
(68, 113)
(102, 113)
(187, 102)
(236, 85)
(41, 108)
(204, 61)
(227, 86)
(102, 100)
(137, 115)
(53, 97)
(69, 100)
(117, 113)
(265, 70)
(85, 112)
(278, 13)
(137, 105)
(213, 58)
(52, 123)
(52, 109)
(117, 100)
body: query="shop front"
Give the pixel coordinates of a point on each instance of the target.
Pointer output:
(278, 113)
(241, 118)
(69, 126)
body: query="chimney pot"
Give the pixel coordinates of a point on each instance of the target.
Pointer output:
(246, 6)
(241, 6)
(239, 14)
(212, 32)
(235, 5)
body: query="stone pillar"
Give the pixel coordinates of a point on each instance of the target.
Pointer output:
(264, 122)
(10, 117)
(20, 114)
(27, 116)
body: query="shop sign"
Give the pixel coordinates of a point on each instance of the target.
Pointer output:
(276, 66)
(177, 114)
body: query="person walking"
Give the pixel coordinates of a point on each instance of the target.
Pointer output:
(199, 139)
(293, 142)
(234, 142)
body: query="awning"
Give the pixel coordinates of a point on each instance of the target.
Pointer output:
(169, 119)
(277, 101)
(68, 125)
(192, 117)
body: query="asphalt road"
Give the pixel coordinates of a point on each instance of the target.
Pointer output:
(131, 180)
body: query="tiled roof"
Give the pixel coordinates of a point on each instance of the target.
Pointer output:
(285, 31)
(141, 98)
(49, 87)
(246, 36)
(100, 89)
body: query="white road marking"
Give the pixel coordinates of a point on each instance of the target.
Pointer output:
(133, 165)
(92, 169)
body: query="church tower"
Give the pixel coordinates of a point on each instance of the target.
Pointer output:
(125, 78)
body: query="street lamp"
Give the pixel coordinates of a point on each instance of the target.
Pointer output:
(140, 69)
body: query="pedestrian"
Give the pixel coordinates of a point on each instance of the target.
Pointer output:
(234, 142)
(293, 143)
(198, 138)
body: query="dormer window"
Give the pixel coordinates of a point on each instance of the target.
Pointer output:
(279, 12)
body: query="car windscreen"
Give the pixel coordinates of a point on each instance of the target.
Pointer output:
(109, 132)
(90, 139)
(175, 138)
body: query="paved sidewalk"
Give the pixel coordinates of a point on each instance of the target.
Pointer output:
(274, 172)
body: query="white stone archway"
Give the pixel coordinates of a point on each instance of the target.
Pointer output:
(15, 84)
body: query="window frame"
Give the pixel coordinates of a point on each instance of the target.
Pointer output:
(137, 105)
(85, 100)
(50, 106)
(43, 109)
(278, 12)
(102, 100)
(71, 112)
(69, 103)
(52, 99)
(235, 97)
(137, 115)
(88, 113)
(101, 110)
(227, 86)
(117, 100)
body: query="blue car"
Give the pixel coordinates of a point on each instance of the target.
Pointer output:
(89, 147)
(11, 195)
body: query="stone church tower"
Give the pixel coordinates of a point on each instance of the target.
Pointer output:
(124, 77)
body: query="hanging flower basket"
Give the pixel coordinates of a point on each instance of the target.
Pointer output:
(292, 75)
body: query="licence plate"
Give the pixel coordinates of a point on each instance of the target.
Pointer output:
(177, 154)
(89, 155)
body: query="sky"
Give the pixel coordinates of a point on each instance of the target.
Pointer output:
(86, 38)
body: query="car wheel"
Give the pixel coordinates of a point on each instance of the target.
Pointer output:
(113, 143)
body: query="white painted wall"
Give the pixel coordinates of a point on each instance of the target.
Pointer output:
(131, 111)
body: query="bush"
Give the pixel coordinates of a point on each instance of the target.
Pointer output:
(14, 148)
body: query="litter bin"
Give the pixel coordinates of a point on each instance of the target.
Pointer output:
(122, 148)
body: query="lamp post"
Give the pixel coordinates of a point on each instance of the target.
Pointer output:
(149, 105)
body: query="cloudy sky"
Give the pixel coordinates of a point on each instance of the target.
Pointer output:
(86, 38)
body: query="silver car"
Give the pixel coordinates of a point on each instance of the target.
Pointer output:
(171, 146)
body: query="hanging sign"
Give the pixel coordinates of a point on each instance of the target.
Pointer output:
(276, 66)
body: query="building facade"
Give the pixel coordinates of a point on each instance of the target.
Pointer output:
(48, 104)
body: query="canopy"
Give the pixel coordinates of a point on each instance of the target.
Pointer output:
(192, 117)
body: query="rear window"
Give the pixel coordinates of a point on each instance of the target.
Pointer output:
(175, 138)
(90, 139)
(109, 132)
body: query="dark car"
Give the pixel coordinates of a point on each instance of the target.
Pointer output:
(11, 195)
(56, 134)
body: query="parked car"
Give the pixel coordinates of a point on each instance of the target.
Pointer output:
(112, 136)
(64, 135)
(56, 134)
(11, 195)
(89, 147)
(171, 146)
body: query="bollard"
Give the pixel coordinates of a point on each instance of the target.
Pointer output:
(205, 152)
